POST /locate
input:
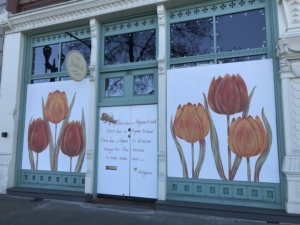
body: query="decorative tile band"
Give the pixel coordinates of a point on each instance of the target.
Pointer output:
(4, 159)
(213, 8)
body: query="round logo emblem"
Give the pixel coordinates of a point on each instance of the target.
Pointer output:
(76, 65)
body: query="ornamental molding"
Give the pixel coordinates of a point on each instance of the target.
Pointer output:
(290, 165)
(66, 12)
(92, 69)
(5, 159)
(292, 15)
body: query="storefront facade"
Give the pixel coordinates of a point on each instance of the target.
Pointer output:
(193, 101)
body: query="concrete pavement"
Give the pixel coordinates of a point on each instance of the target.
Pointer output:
(28, 211)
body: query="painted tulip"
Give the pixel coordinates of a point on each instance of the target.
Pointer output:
(38, 135)
(71, 140)
(191, 122)
(228, 95)
(56, 108)
(247, 137)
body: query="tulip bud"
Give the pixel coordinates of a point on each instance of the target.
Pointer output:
(38, 135)
(247, 137)
(71, 141)
(191, 122)
(228, 95)
(56, 108)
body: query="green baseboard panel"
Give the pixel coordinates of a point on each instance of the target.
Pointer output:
(52, 180)
(251, 194)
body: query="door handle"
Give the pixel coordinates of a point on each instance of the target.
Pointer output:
(129, 135)
(129, 129)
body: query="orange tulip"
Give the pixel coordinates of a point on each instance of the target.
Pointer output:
(71, 140)
(228, 95)
(191, 122)
(56, 108)
(38, 135)
(247, 137)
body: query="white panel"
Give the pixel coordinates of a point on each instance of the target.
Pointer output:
(114, 151)
(143, 164)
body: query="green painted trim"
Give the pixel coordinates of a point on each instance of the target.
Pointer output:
(255, 194)
(271, 15)
(59, 36)
(128, 98)
(53, 180)
(21, 124)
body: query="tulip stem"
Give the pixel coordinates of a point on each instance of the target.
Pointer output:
(229, 152)
(193, 169)
(70, 164)
(248, 169)
(55, 149)
(37, 161)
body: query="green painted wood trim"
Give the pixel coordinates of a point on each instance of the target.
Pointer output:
(273, 35)
(255, 194)
(21, 124)
(60, 36)
(52, 180)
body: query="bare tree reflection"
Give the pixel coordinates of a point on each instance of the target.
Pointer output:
(143, 84)
(191, 38)
(130, 47)
(114, 87)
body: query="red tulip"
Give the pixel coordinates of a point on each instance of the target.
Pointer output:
(228, 95)
(38, 135)
(71, 140)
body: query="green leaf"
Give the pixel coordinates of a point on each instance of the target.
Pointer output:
(215, 143)
(264, 155)
(245, 113)
(235, 166)
(30, 154)
(82, 154)
(180, 151)
(202, 151)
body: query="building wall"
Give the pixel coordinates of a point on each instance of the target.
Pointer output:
(64, 16)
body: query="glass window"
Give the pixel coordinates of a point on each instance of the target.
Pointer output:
(143, 84)
(190, 64)
(242, 59)
(240, 31)
(45, 59)
(75, 45)
(130, 47)
(114, 87)
(192, 38)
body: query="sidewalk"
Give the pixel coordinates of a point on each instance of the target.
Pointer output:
(28, 211)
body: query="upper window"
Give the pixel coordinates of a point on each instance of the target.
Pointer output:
(226, 32)
(50, 51)
(129, 44)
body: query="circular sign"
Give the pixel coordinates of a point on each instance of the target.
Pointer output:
(76, 65)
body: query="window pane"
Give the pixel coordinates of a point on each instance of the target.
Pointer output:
(75, 45)
(114, 87)
(143, 84)
(45, 59)
(243, 30)
(242, 59)
(44, 81)
(192, 38)
(130, 47)
(190, 64)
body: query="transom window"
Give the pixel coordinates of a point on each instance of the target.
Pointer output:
(50, 51)
(219, 33)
